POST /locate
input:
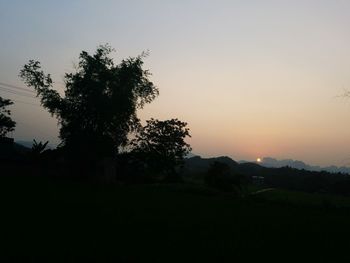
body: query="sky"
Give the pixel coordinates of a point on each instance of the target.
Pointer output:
(251, 78)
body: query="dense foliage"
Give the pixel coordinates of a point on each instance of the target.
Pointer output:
(162, 143)
(6, 123)
(98, 109)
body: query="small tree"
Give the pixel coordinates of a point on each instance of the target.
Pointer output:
(98, 109)
(38, 147)
(6, 123)
(162, 143)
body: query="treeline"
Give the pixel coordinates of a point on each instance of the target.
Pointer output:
(308, 181)
(285, 177)
(100, 132)
(103, 138)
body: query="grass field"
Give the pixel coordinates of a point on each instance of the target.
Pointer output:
(51, 221)
(306, 199)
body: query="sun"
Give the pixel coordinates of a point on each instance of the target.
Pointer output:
(258, 160)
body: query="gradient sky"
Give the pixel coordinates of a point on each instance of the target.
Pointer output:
(251, 78)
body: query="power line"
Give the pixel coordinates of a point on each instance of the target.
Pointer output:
(15, 87)
(28, 103)
(16, 92)
(19, 94)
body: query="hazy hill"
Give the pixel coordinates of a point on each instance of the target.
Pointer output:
(198, 165)
(27, 144)
(285, 177)
(12, 151)
(274, 163)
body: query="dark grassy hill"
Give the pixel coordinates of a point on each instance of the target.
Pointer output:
(57, 221)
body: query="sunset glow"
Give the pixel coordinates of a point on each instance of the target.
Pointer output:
(247, 76)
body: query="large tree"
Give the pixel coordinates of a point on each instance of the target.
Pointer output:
(98, 109)
(6, 123)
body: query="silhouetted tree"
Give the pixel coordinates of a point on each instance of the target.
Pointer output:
(162, 143)
(6, 123)
(38, 148)
(98, 109)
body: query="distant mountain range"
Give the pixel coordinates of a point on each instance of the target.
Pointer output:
(199, 164)
(195, 162)
(285, 174)
(275, 163)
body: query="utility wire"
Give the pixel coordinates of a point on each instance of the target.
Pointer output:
(16, 92)
(19, 93)
(15, 87)
(28, 103)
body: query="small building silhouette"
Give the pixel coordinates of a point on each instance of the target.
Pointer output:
(258, 180)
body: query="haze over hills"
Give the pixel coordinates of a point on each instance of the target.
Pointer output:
(267, 162)
(275, 163)
(202, 164)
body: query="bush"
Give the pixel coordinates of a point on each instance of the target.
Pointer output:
(221, 177)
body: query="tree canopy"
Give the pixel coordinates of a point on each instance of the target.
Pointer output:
(100, 102)
(6, 123)
(163, 142)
